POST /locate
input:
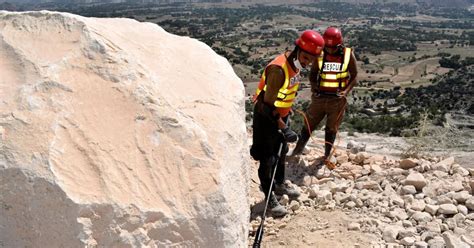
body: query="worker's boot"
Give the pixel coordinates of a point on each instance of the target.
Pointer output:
(329, 138)
(284, 189)
(304, 137)
(275, 207)
(329, 141)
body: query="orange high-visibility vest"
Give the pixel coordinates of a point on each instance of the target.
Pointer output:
(334, 74)
(287, 92)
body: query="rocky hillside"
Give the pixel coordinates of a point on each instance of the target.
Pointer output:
(372, 201)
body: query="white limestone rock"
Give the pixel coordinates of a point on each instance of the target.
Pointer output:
(461, 197)
(418, 205)
(354, 226)
(437, 242)
(444, 165)
(355, 147)
(421, 244)
(408, 189)
(119, 134)
(432, 209)
(407, 241)
(447, 209)
(416, 179)
(390, 233)
(470, 203)
(421, 217)
(453, 241)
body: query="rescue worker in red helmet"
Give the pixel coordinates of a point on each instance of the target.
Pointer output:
(274, 97)
(332, 78)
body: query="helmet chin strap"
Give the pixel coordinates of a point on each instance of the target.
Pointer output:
(296, 61)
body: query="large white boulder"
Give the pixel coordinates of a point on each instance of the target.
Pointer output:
(115, 133)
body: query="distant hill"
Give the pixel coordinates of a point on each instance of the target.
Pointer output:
(451, 3)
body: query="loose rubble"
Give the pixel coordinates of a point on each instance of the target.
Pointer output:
(423, 202)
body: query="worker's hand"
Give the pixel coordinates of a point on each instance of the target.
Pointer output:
(289, 135)
(292, 112)
(342, 93)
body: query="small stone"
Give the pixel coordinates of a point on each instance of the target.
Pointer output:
(408, 190)
(433, 227)
(282, 225)
(422, 217)
(340, 187)
(350, 204)
(443, 199)
(282, 242)
(272, 233)
(390, 233)
(426, 236)
(444, 165)
(459, 219)
(307, 181)
(313, 191)
(407, 223)
(453, 241)
(424, 167)
(470, 216)
(420, 196)
(418, 205)
(360, 157)
(448, 209)
(467, 241)
(372, 185)
(456, 186)
(436, 242)
(324, 196)
(451, 223)
(294, 205)
(457, 169)
(416, 179)
(408, 163)
(355, 147)
(284, 200)
(342, 159)
(462, 209)
(409, 232)
(351, 157)
(397, 201)
(375, 168)
(408, 199)
(407, 241)
(398, 214)
(354, 226)
(340, 197)
(421, 244)
(375, 159)
(444, 227)
(459, 231)
(470, 204)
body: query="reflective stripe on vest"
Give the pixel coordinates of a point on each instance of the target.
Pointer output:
(287, 92)
(332, 80)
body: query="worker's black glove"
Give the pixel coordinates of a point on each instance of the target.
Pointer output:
(289, 135)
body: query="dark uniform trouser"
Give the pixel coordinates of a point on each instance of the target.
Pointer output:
(331, 107)
(266, 142)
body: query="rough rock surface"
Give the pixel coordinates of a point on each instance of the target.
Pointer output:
(115, 133)
(420, 206)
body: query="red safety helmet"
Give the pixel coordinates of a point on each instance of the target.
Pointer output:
(311, 42)
(332, 37)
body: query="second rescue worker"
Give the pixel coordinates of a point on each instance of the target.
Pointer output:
(332, 78)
